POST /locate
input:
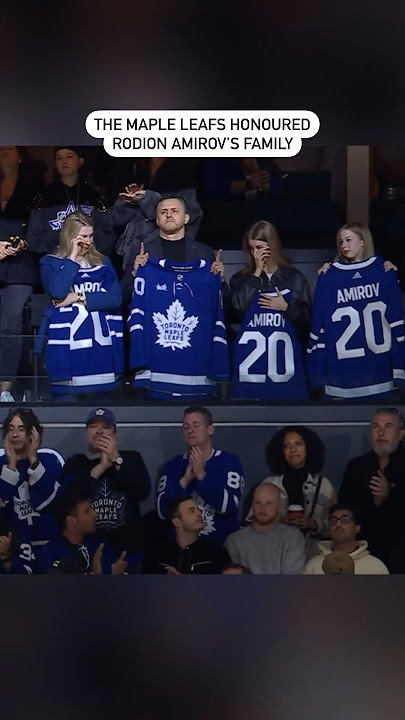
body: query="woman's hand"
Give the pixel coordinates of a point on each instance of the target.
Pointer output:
(76, 248)
(274, 303)
(6, 250)
(35, 441)
(260, 256)
(301, 522)
(389, 266)
(69, 300)
(324, 269)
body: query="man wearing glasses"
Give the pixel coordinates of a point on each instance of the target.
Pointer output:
(343, 529)
(374, 484)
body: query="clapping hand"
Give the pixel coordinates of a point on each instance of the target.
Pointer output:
(5, 546)
(35, 442)
(380, 488)
(197, 462)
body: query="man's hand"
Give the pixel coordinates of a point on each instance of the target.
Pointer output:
(197, 463)
(5, 546)
(275, 303)
(33, 446)
(188, 477)
(108, 447)
(170, 570)
(10, 453)
(380, 488)
(96, 562)
(133, 193)
(119, 567)
(140, 260)
(217, 266)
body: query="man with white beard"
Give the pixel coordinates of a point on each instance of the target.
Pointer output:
(374, 485)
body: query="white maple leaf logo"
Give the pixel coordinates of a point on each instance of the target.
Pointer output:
(174, 330)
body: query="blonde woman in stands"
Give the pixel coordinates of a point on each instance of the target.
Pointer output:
(354, 243)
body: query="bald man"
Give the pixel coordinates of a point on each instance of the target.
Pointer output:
(267, 546)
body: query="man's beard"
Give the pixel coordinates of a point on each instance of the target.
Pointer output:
(386, 449)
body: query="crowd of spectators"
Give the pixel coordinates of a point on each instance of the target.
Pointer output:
(53, 236)
(82, 514)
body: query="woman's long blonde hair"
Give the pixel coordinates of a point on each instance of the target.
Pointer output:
(70, 229)
(265, 232)
(363, 232)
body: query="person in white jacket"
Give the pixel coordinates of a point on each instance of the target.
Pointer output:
(295, 456)
(344, 528)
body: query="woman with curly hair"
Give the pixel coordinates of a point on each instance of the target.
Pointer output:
(295, 456)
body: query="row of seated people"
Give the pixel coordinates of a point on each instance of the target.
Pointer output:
(83, 515)
(355, 347)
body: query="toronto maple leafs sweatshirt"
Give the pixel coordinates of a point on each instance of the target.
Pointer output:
(115, 496)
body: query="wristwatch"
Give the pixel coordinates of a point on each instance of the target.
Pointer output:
(118, 461)
(81, 298)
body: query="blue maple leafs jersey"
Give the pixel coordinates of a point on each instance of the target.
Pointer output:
(217, 496)
(178, 343)
(27, 495)
(267, 357)
(84, 351)
(356, 346)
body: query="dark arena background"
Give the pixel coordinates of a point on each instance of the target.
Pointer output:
(213, 648)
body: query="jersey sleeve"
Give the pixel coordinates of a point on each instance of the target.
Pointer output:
(21, 551)
(395, 318)
(44, 482)
(136, 322)
(169, 486)
(223, 484)
(219, 369)
(58, 275)
(110, 298)
(316, 351)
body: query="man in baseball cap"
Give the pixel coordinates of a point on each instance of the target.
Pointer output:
(103, 414)
(116, 481)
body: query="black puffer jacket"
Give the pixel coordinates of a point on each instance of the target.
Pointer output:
(244, 286)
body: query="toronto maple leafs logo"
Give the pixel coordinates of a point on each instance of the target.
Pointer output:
(174, 330)
(57, 222)
(22, 504)
(87, 209)
(110, 506)
(208, 515)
